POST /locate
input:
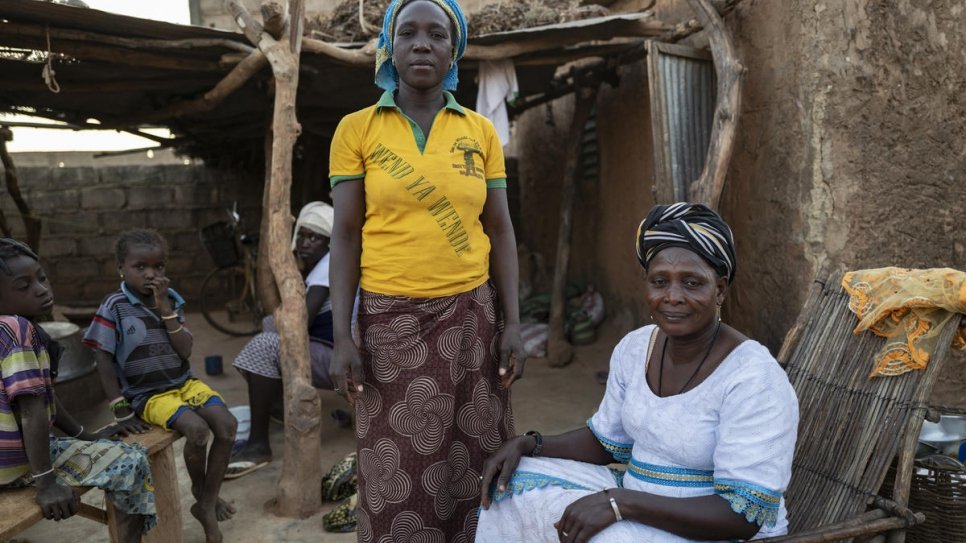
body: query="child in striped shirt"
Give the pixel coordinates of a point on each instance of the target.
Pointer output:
(29, 455)
(142, 347)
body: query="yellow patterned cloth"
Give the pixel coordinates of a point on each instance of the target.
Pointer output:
(909, 308)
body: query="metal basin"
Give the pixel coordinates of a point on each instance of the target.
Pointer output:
(77, 360)
(946, 435)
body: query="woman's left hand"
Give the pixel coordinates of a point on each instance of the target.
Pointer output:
(513, 358)
(585, 518)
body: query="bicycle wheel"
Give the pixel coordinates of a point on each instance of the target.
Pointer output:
(229, 303)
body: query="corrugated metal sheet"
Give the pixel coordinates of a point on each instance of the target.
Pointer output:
(682, 108)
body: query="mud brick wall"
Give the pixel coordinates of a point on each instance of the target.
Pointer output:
(83, 208)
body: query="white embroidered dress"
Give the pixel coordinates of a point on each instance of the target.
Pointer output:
(732, 435)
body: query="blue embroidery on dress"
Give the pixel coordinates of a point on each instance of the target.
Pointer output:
(670, 475)
(620, 451)
(527, 480)
(758, 504)
(618, 476)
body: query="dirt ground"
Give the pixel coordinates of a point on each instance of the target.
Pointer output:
(551, 400)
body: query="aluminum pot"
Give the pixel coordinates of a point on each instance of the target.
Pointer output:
(77, 359)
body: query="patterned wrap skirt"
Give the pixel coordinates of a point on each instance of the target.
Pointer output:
(121, 469)
(430, 414)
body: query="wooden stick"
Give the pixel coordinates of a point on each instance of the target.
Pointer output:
(910, 439)
(31, 223)
(274, 18)
(693, 26)
(559, 351)
(249, 26)
(366, 55)
(352, 57)
(147, 136)
(82, 50)
(16, 124)
(846, 532)
(266, 289)
(69, 86)
(297, 492)
(231, 82)
(708, 187)
(21, 29)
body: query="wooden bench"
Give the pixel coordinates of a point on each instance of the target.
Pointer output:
(19, 509)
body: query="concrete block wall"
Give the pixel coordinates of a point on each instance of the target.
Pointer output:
(83, 207)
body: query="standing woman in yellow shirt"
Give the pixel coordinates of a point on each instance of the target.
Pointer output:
(421, 225)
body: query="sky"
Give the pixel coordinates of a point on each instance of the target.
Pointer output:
(30, 139)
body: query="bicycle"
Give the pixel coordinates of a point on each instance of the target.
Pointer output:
(229, 301)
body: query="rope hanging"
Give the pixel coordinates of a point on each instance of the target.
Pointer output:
(48, 72)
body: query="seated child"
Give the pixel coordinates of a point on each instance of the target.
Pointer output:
(142, 347)
(29, 455)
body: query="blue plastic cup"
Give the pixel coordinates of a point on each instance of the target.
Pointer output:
(213, 364)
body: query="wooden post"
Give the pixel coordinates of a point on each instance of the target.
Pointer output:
(265, 287)
(297, 493)
(31, 224)
(559, 351)
(708, 187)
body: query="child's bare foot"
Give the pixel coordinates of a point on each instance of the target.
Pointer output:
(208, 522)
(223, 510)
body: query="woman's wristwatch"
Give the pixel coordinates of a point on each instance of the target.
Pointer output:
(539, 442)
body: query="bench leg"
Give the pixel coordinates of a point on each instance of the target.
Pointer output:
(111, 513)
(167, 498)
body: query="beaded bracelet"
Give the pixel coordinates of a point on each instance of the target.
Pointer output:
(119, 404)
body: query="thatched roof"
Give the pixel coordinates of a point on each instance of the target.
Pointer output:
(127, 73)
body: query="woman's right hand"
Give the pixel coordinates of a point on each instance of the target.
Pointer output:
(503, 463)
(346, 370)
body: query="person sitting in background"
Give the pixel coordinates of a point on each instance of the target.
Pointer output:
(259, 360)
(29, 455)
(704, 418)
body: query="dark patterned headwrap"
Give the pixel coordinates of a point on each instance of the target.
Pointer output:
(695, 227)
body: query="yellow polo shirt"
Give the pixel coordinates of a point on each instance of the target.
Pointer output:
(422, 235)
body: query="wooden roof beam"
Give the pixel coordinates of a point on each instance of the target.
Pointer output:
(22, 29)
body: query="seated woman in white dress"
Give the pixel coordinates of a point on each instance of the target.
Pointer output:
(703, 417)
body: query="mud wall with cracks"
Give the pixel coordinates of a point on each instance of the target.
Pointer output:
(851, 152)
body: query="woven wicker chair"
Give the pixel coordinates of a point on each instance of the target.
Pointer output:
(851, 428)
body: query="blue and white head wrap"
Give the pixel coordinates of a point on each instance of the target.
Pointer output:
(387, 77)
(695, 227)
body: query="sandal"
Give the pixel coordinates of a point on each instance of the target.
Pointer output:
(341, 480)
(241, 468)
(342, 519)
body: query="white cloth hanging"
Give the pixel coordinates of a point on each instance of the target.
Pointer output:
(497, 84)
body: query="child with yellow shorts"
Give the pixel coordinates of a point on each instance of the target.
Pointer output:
(142, 348)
